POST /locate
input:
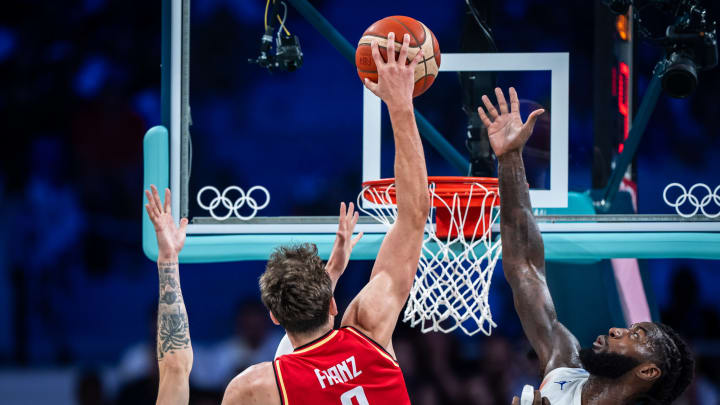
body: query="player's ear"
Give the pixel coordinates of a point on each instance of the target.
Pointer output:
(274, 320)
(648, 372)
(333, 307)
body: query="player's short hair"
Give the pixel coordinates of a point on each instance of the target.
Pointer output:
(677, 364)
(296, 288)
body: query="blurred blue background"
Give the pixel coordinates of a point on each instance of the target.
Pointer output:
(80, 84)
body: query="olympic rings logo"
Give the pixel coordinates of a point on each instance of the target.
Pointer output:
(233, 207)
(689, 197)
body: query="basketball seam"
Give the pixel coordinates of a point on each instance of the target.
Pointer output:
(410, 32)
(382, 37)
(424, 60)
(419, 45)
(427, 31)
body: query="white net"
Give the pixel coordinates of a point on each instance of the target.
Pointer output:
(452, 284)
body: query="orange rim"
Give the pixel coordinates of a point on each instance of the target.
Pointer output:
(446, 187)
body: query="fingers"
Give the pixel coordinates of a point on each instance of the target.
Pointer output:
(418, 57)
(538, 399)
(485, 120)
(402, 58)
(530, 123)
(371, 86)
(167, 200)
(356, 239)
(516, 401)
(376, 54)
(151, 208)
(351, 214)
(150, 212)
(183, 225)
(501, 100)
(156, 198)
(514, 102)
(391, 47)
(355, 218)
(489, 107)
(342, 210)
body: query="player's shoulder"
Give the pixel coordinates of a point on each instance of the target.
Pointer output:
(566, 372)
(255, 385)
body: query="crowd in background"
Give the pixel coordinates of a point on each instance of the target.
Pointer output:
(79, 86)
(438, 368)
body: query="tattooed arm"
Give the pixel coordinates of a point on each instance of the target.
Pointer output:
(523, 249)
(174, 351)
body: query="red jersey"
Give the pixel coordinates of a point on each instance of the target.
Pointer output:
(343, 367)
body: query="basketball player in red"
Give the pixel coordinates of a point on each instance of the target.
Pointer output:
(647, 363)
(356, 363)
(174, 349)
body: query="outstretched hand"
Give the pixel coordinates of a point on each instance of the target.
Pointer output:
(506, 129)
(344, 242)
(396, 78)
(170, 238)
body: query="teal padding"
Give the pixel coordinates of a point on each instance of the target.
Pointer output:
(585, 298)
(577, 248)
(230, 248)
(156, 170)
(569, 247)
(582, 247)
(578, 204)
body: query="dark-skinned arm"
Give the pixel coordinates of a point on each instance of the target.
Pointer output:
(523, 249)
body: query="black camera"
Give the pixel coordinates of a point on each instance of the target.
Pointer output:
(288, 56)
(690, 45)
(690, 40)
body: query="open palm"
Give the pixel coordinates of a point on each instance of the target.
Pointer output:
(170, 237)
(506, 130)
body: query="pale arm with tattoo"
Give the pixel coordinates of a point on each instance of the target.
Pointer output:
(174, 350)
(523, 250)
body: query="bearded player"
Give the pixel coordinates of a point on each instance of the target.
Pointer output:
(647, 363)
(356, 363)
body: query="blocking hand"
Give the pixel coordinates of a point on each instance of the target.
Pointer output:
(506, 129)
(170, 238)
(344, 242)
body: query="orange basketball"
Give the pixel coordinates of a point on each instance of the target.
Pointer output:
(420, 37)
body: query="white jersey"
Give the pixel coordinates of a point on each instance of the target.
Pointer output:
(563, 386)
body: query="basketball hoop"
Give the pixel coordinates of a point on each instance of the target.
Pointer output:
(452, 285)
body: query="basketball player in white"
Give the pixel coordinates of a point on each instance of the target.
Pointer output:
(647, 363)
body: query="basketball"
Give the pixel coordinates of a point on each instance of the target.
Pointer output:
(420, 38)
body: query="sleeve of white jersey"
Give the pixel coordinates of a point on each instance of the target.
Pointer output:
(284, 347)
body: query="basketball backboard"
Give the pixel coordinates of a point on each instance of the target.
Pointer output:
(283, 150)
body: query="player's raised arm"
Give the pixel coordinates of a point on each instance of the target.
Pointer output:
(338, 261)
(523, 250)
(344, 243)
(376, 308)
(174, 351)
